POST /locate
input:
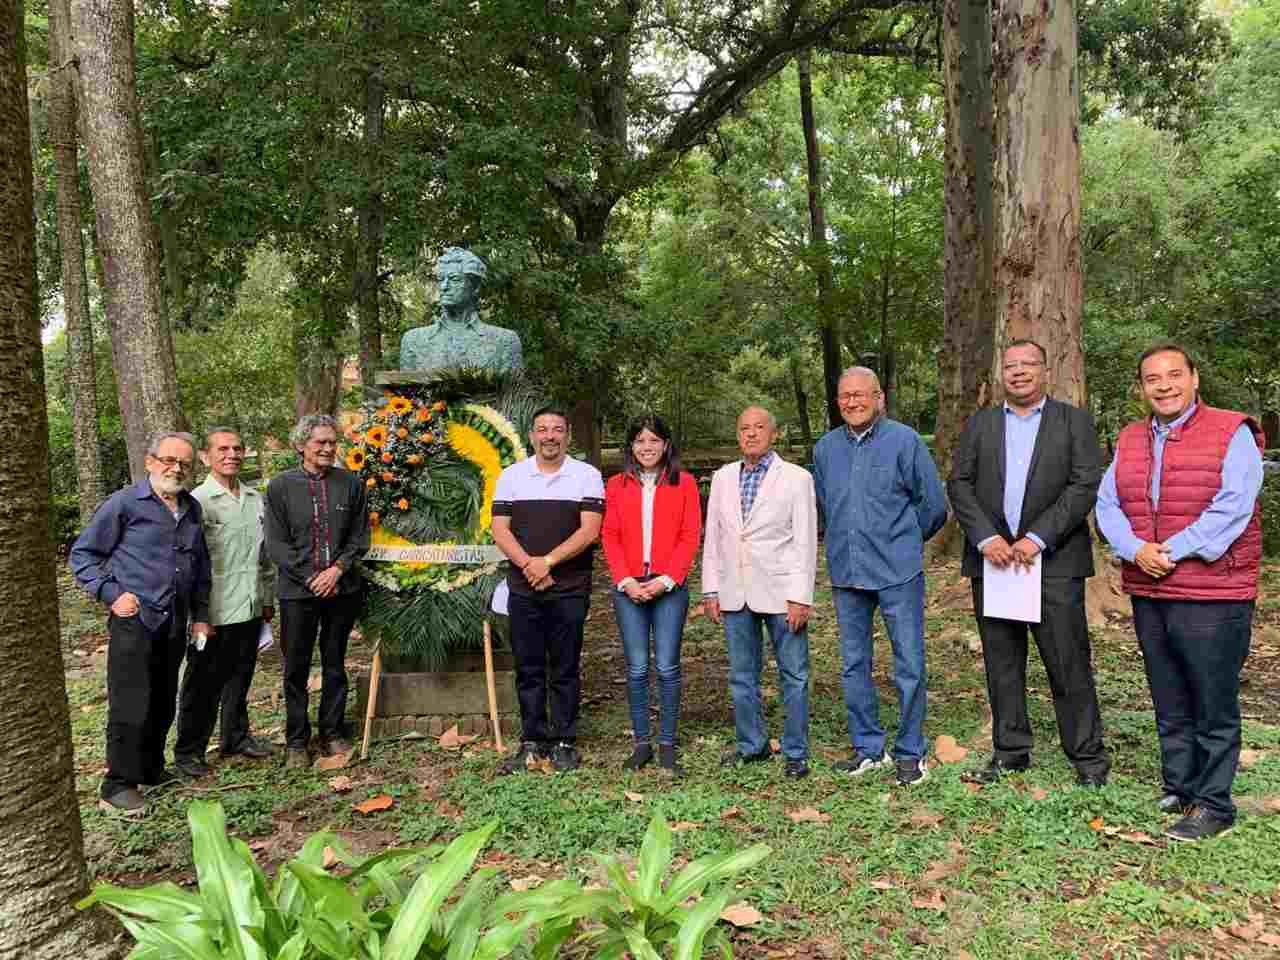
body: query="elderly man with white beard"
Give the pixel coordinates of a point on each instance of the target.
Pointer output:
(144, 556)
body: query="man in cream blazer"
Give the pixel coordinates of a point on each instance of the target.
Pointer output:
(759, 563)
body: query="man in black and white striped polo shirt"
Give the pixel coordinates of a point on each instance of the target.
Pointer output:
(546, 519)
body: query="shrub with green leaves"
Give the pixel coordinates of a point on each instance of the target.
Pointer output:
(393, 906)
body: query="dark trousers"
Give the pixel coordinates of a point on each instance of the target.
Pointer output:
(1062, 636)
(1193, 651)
(142, 690)
(217, 676)
(301, 622)
(546, 641)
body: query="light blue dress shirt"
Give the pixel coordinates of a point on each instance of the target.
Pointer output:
(1020, 434)
(1223, 520)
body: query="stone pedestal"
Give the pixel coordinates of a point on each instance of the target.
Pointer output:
(431, 702)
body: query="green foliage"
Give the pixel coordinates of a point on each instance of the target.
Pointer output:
(1269, 501)
(427, 623)
(393, 906)
(446, 498)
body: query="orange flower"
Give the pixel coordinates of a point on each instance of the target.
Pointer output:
(414, 459)
(423, 413)
(428, 438)
(438, 406)
(355, 459)
(374, 518)
(387, 457)
(388, 476)
(399, 406)
(402, 503)
(403, 433)
(377, 436)
(371, 482)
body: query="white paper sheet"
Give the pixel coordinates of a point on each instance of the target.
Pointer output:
(1012, 593)
(500, 594)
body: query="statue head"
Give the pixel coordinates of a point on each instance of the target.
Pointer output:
(460, 274)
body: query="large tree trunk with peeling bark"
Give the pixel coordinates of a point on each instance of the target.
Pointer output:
(1039, 278)
(42, 872)
(141, 344)
(82, 383)
(966, 361)
(828, 319)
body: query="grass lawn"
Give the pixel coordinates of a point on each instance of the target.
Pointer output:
(1031, 867)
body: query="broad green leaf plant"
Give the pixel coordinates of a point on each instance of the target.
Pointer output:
(393, 906)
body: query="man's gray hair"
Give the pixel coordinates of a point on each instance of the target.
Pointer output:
(308, 425)
(861, 372)
(153, 448)
(468, 262)
(208, 434)
(773, 421)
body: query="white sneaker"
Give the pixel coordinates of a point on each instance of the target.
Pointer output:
(860, 764)
(912, 771)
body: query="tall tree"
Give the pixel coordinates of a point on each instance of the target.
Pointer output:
(372, 212)
(141, 344)
(82, 381)
(828, 317)
(42, 872)
(1039, 276)
(965, 362)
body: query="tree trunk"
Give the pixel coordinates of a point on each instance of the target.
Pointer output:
(82, 381)
(888, 353)
(42, 872)
(141, 344)
(1039, 279)
(372, 213)
(828, 319)
(966, 361)
(802, 402)
(318, 381)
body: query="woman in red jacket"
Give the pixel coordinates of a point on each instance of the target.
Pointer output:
(652, 523)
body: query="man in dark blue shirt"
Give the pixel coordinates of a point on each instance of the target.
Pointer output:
(881, 497)
(144, 556)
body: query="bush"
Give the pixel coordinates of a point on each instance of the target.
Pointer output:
(376, 911)
(1269, 498)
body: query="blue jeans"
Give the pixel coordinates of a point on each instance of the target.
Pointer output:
(663, 618)
(746, 665)
(902, 607)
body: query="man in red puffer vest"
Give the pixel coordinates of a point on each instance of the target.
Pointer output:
(1179, 504)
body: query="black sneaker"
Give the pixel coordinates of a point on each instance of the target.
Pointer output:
(564, 757)
(519, 761)
(124, 803)
(1199, 824)
(640, 757)
(192, 768)
(251, 747)
(735, 759)
(667, 760)
(860, 764)
(796, 769)
(911, 771)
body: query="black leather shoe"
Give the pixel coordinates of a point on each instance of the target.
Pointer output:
(1172, 803)
(641, 756)
(734, 759)
(250, 747)
(669, 761)
(796, 770)
(1098, 780)
(192, 768)
(993, 771)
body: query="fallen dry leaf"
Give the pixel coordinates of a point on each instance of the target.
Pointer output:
(948, 751)
(341, 784)
(313, 683)
(542, 766)
(1132, 836)
(932, 902)
(520, 884)
(741, 915)
(775, 746)
(452, 740)
(1096, 824)
(1039, 793)
(808, 815)
(881, 884)
(926, 818)
(1270, 939)
(257, 846)
(680, 826)
(1249, 757)
(633, 797)
(335, 762)
(940, 870)
(730, 813)
(330, 858)
(374, 804)
(1245, 931)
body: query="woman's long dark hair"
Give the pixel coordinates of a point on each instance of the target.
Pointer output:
(669, 466)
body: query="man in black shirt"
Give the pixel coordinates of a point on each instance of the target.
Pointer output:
(547, 512)
(317, 527)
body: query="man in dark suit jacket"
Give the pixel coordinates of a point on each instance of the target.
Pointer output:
(1024, 480)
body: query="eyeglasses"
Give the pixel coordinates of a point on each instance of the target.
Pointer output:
(1013, 366)
(858, 396)
(171, 462)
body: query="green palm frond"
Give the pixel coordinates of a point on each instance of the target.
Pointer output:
(428, 623)
(445, 502)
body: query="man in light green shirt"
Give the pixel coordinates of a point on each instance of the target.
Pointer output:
(242, 598)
